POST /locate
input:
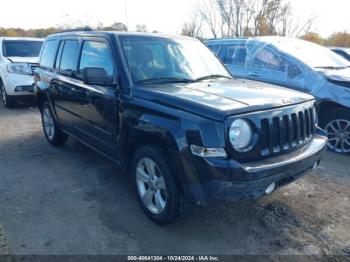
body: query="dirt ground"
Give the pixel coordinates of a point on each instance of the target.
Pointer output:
(73, 201)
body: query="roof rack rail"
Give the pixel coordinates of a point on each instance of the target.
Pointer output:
(227, 38)
(79, 29)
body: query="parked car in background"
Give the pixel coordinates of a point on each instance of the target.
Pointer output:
(18, 58)
(170, 113)
(342, 51)
(299, 65)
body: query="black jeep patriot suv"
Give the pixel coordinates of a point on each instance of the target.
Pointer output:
(169, 112)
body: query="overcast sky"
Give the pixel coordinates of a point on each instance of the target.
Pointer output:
(166, 16)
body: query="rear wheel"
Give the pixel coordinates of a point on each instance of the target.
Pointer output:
(52, 132)
(336, 123)
(157, 189)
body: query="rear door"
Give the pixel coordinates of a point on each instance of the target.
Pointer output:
(65, 92)
(87, 111)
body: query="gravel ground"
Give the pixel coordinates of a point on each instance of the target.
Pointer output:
(73, 201)
(4, 249)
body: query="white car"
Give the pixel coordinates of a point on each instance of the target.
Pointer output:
(18, 57)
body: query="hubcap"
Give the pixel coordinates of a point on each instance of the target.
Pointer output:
(151, 185)
(48, 124)
(338, 132)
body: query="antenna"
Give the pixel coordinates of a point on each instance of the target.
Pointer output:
(126, 14)
(127, 55)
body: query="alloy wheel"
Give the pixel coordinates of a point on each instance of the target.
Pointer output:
(151, 185)
(338, 132)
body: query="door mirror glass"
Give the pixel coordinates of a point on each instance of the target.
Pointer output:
(96, 76)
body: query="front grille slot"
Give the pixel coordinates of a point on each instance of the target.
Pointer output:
(283, 133)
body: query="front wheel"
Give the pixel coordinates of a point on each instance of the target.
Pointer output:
(52, 132)
(336, 123)
(157, 189)
(8, 101)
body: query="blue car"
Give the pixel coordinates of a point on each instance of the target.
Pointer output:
(299, 65)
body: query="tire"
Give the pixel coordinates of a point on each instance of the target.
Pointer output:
(54, 135)
(167, 189)
(336, 123)
(8, 101)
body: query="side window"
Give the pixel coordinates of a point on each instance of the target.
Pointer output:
(293, 71)
(69, 55)
(266, 59)
(96, 54)
(48, 54)
(233, 54)
(226, 53)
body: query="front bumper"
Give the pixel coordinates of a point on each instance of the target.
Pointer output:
(19, 85)
(250, 180)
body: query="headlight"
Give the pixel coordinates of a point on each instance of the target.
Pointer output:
(19, 68)
(240, 134)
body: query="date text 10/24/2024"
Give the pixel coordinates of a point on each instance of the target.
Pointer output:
(173, 258)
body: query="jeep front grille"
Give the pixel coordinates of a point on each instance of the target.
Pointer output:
(283, 133)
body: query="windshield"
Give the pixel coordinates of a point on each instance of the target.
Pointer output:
(161, 59)
(22, 48)
(312, 54)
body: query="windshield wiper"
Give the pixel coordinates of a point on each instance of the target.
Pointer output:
(331, 67)
(211, 77)
(164, 80)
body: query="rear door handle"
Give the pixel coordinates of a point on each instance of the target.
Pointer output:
(253, 74)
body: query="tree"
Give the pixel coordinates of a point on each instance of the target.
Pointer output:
(341, 39)
(227, 18)
(313, 37)
(192, 28)
(209, 15)
(117, 26)
(141, 28)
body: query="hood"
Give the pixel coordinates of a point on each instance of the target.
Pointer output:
(218, 99)
(338, 75)
(17, 59)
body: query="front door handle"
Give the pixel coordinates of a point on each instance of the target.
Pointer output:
(253, 74)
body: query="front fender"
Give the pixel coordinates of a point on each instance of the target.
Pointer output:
(176, 130)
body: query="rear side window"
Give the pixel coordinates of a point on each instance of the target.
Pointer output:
(48, 54)
(96, 54)
(226, 53)
(69, 55)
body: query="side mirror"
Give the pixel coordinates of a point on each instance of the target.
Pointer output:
(96, 76)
